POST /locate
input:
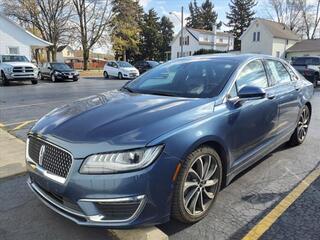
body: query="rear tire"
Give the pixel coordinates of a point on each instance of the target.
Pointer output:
(197, 185)
(5, 81)
(301, 130)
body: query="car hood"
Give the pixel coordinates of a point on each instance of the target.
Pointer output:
(117, 120)
(20, 64)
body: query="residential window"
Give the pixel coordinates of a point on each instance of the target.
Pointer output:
(287, 42)
(13, 50)
(221, 40)
(278, 54)
(254, 36)
(253, 74)
(178, 54)
(258, 36)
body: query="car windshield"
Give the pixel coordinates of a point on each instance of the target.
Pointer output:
(60, 66)
(153, 63)
(14, 58)
(124, 64)
(197, 78)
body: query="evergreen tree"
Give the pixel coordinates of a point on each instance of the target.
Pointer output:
(150, 36)
(240, 16)
(166, 29)
(194, 21)
(125, 27)
(208, 16)
(203, 17)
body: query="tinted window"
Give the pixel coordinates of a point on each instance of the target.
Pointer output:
(124, 64)
(253, 74)
(278, 72)
(186, 78)
(306, 61)
(14, 58)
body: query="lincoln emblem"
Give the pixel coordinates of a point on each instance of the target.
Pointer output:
(41, 154)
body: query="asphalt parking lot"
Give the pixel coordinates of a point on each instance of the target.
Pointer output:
(240, 207)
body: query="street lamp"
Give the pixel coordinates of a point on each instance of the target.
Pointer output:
(181, 20)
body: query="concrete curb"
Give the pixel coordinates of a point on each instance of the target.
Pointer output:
(12, 162)
(12, 155)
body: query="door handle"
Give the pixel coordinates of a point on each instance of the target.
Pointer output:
(270, 96)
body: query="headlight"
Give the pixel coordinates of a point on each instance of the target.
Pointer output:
(57, 73)
(8, 69)
(120, 161)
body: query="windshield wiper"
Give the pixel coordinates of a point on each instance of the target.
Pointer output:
(162, 94)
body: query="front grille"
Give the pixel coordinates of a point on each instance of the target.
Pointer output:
(23, 70)
(55, 160)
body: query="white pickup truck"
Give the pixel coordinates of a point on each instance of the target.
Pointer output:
(17, 68)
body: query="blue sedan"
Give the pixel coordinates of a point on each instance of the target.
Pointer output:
(166, 143)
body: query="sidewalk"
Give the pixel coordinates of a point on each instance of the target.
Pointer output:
(12, 155)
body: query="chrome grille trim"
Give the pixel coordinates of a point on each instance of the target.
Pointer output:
(40, 169)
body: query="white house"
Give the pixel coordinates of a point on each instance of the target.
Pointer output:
(16, 40)
(310, 47)
(267, 37)
(196, 39)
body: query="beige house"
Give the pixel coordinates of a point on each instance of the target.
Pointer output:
(310, 47)
(268, 37)
(64, 52)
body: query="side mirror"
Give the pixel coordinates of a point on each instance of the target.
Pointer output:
(49, 68)
(251, 92)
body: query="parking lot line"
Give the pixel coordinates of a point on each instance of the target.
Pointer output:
(21, 125)
(258, 230)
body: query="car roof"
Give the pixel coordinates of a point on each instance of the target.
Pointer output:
(226, 56)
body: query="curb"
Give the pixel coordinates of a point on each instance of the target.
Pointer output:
(12, 163)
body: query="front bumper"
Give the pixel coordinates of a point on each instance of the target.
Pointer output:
(67, 77)
(21, 76)
(112, 200)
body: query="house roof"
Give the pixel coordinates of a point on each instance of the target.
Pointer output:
(38, 42)
(306, 46)
(60, 48)
(279, 30)
(191, 30)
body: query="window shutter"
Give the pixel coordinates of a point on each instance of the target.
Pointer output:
(254, 36)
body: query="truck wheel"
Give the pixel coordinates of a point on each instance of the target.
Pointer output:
(34, 81)
(5, 81)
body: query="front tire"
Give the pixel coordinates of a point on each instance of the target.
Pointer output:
(197, 185)
(5, 81)
(301, 130)
(315, 80)
(120, 76)
(53, 78)
(105, 75)
(35, 81)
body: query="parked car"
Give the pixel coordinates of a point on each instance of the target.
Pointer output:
(309, 67)
(165, 144)
(120, 69)
(17, 68)
(58, 72)
(144, 66)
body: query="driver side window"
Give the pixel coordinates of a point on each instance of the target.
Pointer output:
(253, 74)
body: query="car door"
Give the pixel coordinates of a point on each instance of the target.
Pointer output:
(252, 122)
(286, 92)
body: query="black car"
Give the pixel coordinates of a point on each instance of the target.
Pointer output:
(309, 67)
(144, 66)
(58, 71)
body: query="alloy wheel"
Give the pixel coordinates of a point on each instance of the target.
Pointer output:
(303, 124)
(53, 78)
(201, 185)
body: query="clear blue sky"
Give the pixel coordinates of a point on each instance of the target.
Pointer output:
(163, 7)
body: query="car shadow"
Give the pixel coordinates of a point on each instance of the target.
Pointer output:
(15, 84)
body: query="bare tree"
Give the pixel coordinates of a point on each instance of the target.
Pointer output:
(311, 18)
(92, 19)
(48, 17)
(301, 16)
(287, 12)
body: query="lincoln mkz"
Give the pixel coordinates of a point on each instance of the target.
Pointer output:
(163, 145)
